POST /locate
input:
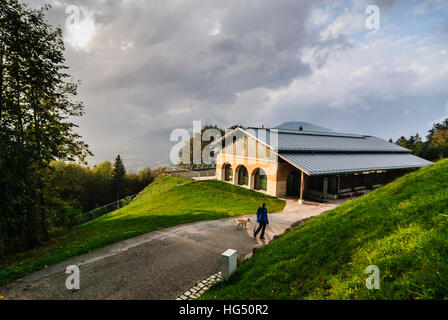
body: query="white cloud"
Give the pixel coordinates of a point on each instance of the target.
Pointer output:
(349, 23)
(215, 30)
(384, 70)
(319, 16)
(174, 111)
(444, 115)
(127, 45)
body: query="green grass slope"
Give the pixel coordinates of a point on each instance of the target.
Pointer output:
(402, 228)
(166, 202)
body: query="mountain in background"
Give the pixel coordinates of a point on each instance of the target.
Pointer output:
(295, 125)
(149, 150)
(153, 148)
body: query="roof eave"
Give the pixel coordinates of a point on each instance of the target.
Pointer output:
(323, 173)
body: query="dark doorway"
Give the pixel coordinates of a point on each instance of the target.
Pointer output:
(333, 185)
(293, 184)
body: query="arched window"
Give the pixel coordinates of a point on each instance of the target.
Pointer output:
(243, 177)
(228, 173)
(260, 179)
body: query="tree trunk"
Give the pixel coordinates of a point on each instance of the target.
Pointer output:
(39, 167)
(2, 50)
(43, 215)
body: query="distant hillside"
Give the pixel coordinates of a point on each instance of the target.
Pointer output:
(149, 150)
(402, 228)
(295, 125)
(152, 149)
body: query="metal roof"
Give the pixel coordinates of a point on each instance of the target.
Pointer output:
(321, 164)
(321, 153)
(302, 141)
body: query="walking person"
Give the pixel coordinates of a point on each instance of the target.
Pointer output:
(262, 219)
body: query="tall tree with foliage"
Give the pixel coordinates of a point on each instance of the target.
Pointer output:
(145, 177)
(36, 101)
(189, 148)
(434, 148)
(118, 177)
(86, 189)
(437, 141)
(102, 176)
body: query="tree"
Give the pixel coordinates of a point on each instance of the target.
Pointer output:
(437, 141)
(131, 184)
(159, 171)
(70, 184)
(36, 101)
(434, 148)
(102, 177)
(118, 177)
(145, 177)
(403, 142)
(234, 127)
(190, 146)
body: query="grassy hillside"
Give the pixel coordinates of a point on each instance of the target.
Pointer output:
(402, 228)
(166, 202)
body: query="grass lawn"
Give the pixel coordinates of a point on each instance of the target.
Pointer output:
(166, 202)
(402, 228)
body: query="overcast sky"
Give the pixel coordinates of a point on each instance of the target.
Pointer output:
(152, 64)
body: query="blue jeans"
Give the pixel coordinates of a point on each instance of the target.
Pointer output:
(262, 227)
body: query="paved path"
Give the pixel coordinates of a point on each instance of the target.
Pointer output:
(157, 265)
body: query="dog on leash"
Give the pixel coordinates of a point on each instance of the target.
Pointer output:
(241, 222)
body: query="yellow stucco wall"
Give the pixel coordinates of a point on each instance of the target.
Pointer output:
(251, 154)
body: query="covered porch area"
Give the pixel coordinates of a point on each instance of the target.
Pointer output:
(298, 184)
(301, 186)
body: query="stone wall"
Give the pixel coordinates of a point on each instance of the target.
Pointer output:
(208, 172)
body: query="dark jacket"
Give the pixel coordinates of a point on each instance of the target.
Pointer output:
(262, 215)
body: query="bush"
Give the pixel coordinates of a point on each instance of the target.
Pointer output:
(62, 215)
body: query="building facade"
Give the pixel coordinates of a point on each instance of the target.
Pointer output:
(314, 165)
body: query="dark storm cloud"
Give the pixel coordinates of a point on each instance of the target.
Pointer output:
(158, 64)
(150, 57)
(256, 46)
(386, 4)
(154, 64)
